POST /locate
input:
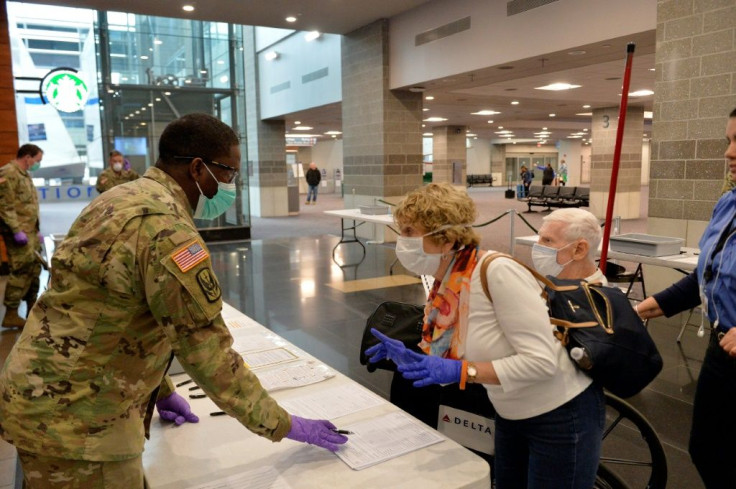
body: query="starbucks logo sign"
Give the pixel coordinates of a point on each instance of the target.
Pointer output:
(64, 90)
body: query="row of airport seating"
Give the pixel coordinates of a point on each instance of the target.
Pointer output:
(479, 180)
(550, 196)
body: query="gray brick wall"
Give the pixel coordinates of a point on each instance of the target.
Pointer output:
(695, 90)
(382, 129)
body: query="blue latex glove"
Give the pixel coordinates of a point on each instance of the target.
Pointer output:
(388, 348)
(318, 432)
(428, 370)
(20, 238)
(175, 408)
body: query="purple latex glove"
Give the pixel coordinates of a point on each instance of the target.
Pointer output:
(428, 370)
(388, 348)
(20, 238)
(126, 164)
(318, 432)
(175, 408)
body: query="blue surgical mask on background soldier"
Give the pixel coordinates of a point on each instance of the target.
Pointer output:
(35, 166)
(545, 259)
(117, 167)
(218, 204)
(411, 254)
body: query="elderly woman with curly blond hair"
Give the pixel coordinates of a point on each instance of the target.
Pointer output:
(550, 416)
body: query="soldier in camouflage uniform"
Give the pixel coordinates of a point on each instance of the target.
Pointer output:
(20, 228)
(132, 283)
(116, 174)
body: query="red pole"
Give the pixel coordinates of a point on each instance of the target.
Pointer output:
(617, 155)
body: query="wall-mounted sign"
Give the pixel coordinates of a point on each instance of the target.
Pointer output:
(64, 89)
(300, 141)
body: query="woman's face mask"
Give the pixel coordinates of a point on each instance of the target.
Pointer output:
(218, 204)
(545, 259)
(411, 254)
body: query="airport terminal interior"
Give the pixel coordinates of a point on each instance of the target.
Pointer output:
(386, 96)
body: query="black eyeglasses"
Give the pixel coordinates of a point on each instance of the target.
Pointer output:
(207, 161)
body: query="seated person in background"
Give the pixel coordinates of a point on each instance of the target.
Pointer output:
(116, 174)
(550, 415)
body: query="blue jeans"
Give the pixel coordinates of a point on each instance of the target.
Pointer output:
(555, 450)
(312, 193)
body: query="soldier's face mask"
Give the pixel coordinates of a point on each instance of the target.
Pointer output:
(219, 203)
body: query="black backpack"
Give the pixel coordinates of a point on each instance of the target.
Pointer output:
(621, 356)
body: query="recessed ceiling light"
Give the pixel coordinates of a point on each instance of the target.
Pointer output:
(585, 130)
(291, 18)
(271, 55)
(552, 115)
(586, 106)
(220, 62)
(188, 8)
(490, 122)
(427, 134)
(500, 127)
(425, 109)
(303, 128)
(514, 102)
(641, 93)
(311, 36)
(435, 119)
(652, 69)
(577, 52)
(333, 132)
(648, 114)
(224, 79)
(158, 41)
(167, 93)
(584, 113)
(544, 129)
(144, 57)
(485, 112)
(429, 97)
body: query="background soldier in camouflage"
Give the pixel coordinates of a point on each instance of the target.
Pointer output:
(20, 228)
(115, 174)
(131, 283)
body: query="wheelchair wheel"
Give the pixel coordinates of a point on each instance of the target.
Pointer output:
(631, 454)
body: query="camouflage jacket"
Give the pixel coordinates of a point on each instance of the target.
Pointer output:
(109, 179)
(18, 200)
(131, 282)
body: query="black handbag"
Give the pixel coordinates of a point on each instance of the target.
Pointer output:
(618, 352)
(397, 320)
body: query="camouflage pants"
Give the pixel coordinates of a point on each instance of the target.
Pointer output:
(23, 282)
(41, 472)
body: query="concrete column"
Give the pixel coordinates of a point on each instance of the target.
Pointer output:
(449, 151)
(695, 90)
(382, 129)
(498, 165)
(266, 143)
(8, 119)
(628, 190)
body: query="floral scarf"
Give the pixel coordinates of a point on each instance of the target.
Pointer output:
(447, 308)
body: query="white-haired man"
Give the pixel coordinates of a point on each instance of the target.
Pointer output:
(568, 240)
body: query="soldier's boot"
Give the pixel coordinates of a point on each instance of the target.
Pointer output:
(12, 320)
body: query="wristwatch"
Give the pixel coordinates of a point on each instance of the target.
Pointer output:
(472, 372)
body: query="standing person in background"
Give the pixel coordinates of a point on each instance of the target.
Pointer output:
(713, 284)
(526, 180)
(19, 224)
(562, 172)
(314, 176)
(115, 174)
(133, 284)
(548, 175)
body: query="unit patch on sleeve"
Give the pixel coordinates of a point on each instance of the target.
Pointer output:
(208, 284)
(189, 256)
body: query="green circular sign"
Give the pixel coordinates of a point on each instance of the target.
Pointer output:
(65, 90)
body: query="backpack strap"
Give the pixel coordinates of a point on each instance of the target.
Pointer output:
(540, 278)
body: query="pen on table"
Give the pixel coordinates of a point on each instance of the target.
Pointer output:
(197, 396)
(185, 382)
(341, 432)
(194, 388)
(218, 413)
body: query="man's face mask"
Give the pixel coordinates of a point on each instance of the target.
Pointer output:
(545, 259)
(218, 204)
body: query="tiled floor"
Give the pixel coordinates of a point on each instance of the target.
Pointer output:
(288, 282)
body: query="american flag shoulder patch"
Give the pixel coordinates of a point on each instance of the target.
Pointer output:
(189, 255)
